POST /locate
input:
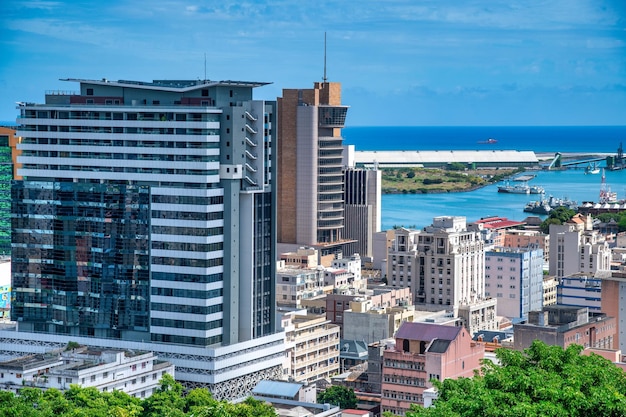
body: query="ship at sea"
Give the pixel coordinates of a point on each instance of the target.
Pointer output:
(524, 188)
(489, 141)
(514, 189)
(545, 206)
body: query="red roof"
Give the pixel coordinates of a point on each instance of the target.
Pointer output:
(498, 222)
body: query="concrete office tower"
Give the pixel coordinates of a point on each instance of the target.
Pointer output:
(444, 265)
(576, 248)
(146, 215)
(310, 180)
(363, 199)
(514, 276)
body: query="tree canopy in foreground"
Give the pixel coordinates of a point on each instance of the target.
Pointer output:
(540, 381)
(167, 401)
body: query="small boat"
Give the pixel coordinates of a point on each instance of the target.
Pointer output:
(489, 141)
(592, 169)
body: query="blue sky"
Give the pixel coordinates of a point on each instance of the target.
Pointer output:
(400, 62)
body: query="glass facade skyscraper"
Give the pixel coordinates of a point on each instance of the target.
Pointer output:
(145, 213)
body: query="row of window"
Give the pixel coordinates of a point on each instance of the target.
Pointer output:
(185, 199)
(196, 263)
(186, 324)
(405, 380)
(203, 279)
(108, 115)
(188, 247)
(187, 215)
(123, 156)
(127, 170)
(187, 231)
(189, 309)
(180, 292)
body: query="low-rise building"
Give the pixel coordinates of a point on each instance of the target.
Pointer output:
(562, 326)
(580, 290)
(293, 399)
(424, 352)
(136, 373)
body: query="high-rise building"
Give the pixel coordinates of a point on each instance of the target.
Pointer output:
(7, 142)
(145, 215)
(363, 204)
(310, 167)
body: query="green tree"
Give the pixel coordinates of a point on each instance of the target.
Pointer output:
(338, 395)
(557, 216)
(540, 381)
(166, 401)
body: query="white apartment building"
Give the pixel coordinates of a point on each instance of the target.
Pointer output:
(312, 347)
(293, 285)
(135, 373)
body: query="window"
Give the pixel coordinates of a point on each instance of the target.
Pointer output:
(90, 91)
(93, 378)
(133, 367)
(105, 375)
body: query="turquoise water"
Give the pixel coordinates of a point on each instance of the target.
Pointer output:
(418, 210)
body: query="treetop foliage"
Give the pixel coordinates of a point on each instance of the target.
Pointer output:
(338, 395)
(167, 401)
(540, 381)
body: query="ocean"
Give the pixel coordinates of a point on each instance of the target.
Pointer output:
(418, 210)
(601, 139)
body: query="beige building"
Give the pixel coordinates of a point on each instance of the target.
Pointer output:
(444, 265)
(311, 346)
(576, 248)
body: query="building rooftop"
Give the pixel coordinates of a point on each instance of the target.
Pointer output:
(498, 223)
(427, 331)
(169, 85)
(277, 389)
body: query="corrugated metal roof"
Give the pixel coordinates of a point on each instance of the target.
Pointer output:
(431, 157)
(277, 388)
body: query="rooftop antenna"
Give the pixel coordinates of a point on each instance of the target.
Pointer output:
(324, 79)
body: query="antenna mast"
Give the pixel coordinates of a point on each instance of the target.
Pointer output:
(324, 79)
